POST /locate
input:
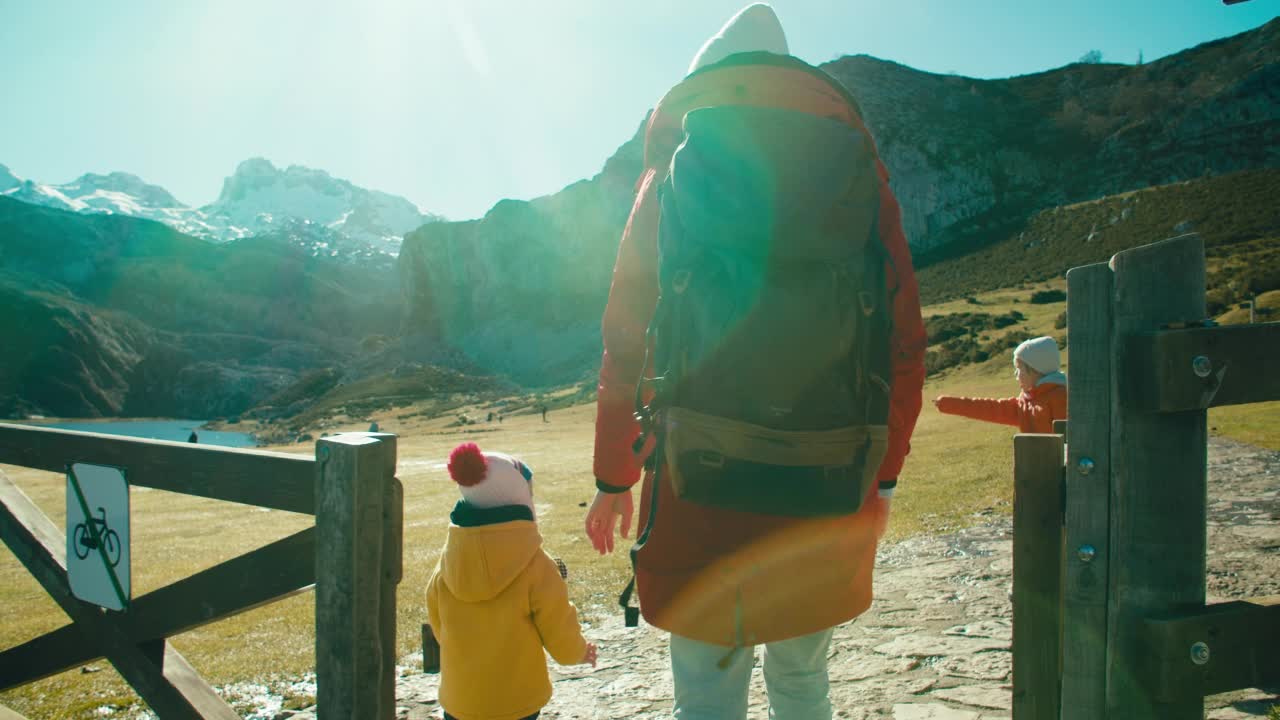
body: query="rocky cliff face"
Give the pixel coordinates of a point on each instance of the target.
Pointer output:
(259, 197)
(522, 290)
(967, 155)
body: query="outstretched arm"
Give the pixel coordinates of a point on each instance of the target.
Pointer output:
(1005, 411)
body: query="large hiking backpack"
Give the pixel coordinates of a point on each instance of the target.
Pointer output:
(770, 339)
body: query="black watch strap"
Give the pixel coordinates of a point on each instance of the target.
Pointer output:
(605, 487)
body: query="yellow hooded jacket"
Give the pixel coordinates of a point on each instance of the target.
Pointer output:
(494, 601)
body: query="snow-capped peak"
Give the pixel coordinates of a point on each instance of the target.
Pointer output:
(259, 195)
(257, 199)
(142, 193)
(8, 180)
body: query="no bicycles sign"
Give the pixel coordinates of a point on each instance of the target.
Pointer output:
(98, 535)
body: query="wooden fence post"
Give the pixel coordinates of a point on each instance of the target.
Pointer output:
(352, 489)
(1087, 535)
(1158, 529)
(1037, 576)
(392, 568)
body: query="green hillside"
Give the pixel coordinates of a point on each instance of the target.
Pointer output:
(1237, 215)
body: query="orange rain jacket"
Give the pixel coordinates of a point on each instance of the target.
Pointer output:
(1032, 411)
(721, 576)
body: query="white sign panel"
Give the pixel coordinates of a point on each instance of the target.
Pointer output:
(98, 535)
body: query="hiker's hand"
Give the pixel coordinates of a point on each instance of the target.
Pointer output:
(590, 657)
(602, 517)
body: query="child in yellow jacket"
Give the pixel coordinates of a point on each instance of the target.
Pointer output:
(496, 598)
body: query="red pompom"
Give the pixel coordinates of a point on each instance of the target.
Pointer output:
(467, 465)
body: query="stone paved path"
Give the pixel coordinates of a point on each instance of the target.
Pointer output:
(935, 645)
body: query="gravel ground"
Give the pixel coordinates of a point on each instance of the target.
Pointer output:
(934, 646)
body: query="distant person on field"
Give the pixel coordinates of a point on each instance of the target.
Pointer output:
(193, 438)
(1043, 398)
(496, 599)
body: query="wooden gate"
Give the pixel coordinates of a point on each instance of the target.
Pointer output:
(1110, 620)
(352, 555)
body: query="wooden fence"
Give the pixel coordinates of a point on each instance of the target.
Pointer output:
(1109, 613)
(352, 555)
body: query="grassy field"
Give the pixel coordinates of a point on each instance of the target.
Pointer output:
(959, 472)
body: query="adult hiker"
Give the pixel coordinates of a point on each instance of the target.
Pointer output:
(763, 288)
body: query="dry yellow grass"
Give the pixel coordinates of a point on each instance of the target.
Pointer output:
(175, 535)
(1257, 424)
(959, 471)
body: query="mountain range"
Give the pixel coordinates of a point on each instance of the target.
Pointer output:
(332, 214)
(970, 161)
(292, 284)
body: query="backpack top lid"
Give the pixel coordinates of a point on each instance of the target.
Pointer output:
(746, 174)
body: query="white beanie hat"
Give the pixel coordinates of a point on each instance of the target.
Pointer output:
(1039, 354)
(755, 28)
(490, 479)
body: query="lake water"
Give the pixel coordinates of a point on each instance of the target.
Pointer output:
(178, 430)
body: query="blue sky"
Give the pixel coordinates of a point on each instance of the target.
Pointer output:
(456, 104)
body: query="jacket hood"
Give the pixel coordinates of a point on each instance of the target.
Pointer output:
(1044, 389)
(480, 561)
(1053, 378)
(754, 28)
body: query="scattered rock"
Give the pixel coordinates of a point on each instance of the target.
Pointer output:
(995, 698)
(931, 711)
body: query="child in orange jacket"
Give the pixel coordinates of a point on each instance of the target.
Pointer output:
(1043, 398)
(496, 599)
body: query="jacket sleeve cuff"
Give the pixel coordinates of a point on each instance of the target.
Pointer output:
(887, 487)
(605, 487)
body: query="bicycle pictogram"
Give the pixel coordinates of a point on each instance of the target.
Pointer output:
(84, 539)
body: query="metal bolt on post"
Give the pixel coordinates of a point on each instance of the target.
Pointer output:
(1200, 653)
(1201, 366)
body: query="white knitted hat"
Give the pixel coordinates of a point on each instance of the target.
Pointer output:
(490, 479)
(755, 28)
(1039, 354)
